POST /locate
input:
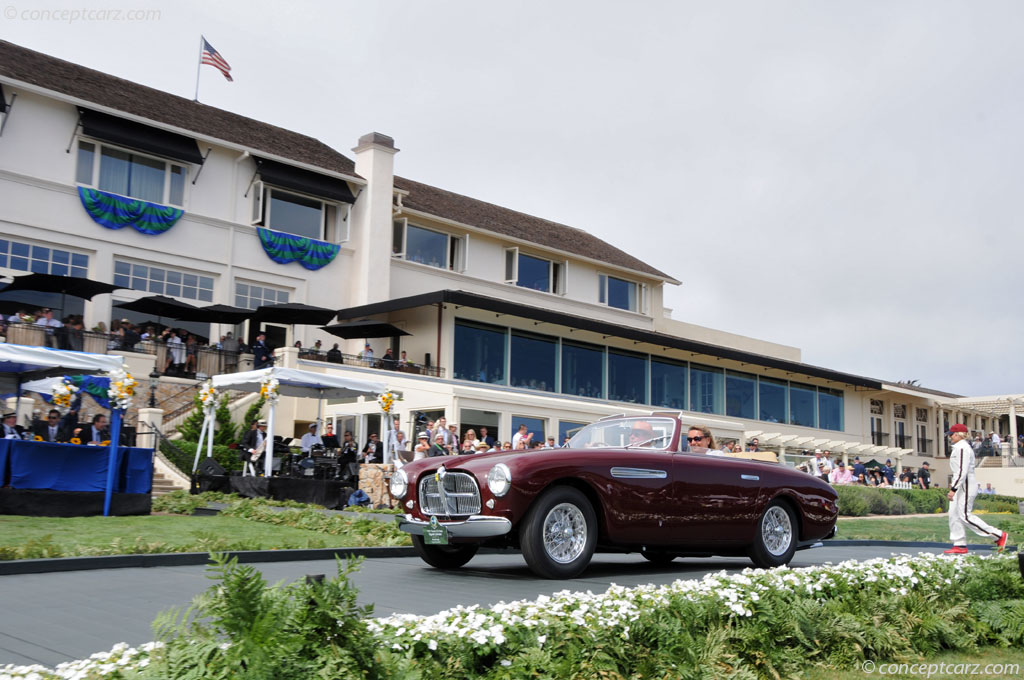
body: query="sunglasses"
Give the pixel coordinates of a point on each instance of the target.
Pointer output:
(695, 439)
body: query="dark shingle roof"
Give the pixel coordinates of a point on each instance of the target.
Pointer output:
(29, 66)
(100, 88)
(446, 204)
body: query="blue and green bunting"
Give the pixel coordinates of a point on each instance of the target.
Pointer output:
(116, 212)
(93, 385)
(284, 248)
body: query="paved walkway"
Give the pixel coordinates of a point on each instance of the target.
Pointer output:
(55, 617)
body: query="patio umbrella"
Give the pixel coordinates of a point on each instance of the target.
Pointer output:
(75, 286)
(159, 306)
(217, 314)
(294, 313)
(364, 328)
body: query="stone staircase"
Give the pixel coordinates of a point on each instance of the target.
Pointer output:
(990, 462)
(163, 484)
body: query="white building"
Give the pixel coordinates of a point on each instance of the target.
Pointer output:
(508, 318)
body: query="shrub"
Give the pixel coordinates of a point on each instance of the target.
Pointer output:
(228, 458)
(857, 501)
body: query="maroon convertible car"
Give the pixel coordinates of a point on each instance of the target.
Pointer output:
(621, 485)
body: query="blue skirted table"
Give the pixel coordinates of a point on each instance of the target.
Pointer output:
(68, 480)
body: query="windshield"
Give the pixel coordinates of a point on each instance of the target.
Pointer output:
(645, 432)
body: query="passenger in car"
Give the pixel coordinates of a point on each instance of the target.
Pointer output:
(700, 440)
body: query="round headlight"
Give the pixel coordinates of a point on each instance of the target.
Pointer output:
(399, 484)
(499, 480)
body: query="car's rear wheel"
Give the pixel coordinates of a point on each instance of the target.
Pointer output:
(559, 533)
(657, 556)
(776, 537)
(451, 556)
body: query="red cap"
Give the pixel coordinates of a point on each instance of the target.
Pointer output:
(959, 427)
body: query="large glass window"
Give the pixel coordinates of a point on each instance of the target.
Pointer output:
(534, 425)
(252, 296)
(802, 403)
(627, 376)
(426, 246)
(479, 352)
(830, 409)
(294, 214)
(707, 389)
(772, 400)
(740, 395)
(163, 281)
(582, 369)
(534, 273)
(668, 383)
(29, 258)
(129, 174)
(619, 293)
(567, 428)
(532, 361)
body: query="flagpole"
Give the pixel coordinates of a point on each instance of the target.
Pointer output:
(199, 66)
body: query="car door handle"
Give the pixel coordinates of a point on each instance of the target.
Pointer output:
(637, 473)
(751, 478)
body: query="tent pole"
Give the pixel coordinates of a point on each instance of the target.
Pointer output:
(268, 460)
(209, 439)
(199, 445)
(112, 459)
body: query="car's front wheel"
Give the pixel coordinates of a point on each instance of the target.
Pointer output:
(775, 538)
(559, 533)
(450, 556)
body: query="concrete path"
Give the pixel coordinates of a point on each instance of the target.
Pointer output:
(55, 617)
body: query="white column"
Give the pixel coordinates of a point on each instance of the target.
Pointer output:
(1013, 429)
(372, 218)
(150, 419)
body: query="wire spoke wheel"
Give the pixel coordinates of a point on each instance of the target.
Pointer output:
(777, 531)
(565, 533)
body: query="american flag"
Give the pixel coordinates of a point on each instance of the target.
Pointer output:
(213, 58)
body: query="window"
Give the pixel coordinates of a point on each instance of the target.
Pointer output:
(772, 400)
(251, 296)
(162, 281)
(527, 271)
(479, 352)
(627, 376)
(41, 259)
(534, 425)
(429, 247)
(707, 389)
(532, 362)
(740, 395)
(802, 401)
(830, 409)
(299, 214)
(668, 383)
(130, 174)
(620, 293)
(567, 428)
(582, 369)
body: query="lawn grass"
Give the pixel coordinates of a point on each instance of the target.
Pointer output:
(30, 537)
(987, 656)
(922, 528)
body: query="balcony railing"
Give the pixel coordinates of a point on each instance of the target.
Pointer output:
(185, 360)
(924, 446)
(376, 362)
(880, 438)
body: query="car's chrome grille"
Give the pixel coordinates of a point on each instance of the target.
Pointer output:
(457, 494)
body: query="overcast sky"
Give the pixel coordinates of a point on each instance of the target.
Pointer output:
(844, 177)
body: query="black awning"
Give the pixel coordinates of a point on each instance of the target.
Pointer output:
(461, 298)
(140, 136)
(363, 329)
(306, 181)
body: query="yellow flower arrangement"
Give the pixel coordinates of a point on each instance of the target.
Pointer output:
(269, 389)
(106, 442)
(387, 401)
(38, 438)
(76, 440)
(122, 388)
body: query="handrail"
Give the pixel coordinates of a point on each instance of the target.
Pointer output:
(162, 439)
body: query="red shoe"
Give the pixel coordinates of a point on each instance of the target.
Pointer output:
(1001, 543)
(957, 550)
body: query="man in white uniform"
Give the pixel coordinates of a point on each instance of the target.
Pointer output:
(310, 439)
(962, 492)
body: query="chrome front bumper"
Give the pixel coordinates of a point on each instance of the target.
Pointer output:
(476, 526)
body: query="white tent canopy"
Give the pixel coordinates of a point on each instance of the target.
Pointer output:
(291, 383)
(19, 363)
